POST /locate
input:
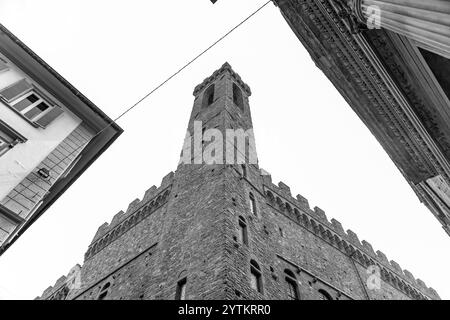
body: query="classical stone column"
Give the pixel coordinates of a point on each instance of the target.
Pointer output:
(425, 21)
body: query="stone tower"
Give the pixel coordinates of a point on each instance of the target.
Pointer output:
(221, 230)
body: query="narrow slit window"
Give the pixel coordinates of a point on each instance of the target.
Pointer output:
(180, 294)
(253, 204)
(237, 97)
(244, 171)
(255, 277)
(292, 285)
(243, 235)
(208, 96)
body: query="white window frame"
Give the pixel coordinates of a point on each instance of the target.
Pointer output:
(40, 100)
(9, 138)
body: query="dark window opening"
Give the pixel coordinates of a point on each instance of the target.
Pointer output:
(323, 295)
(237, 97)
(253, 204)
(180, 294)
(243, 236)
(255, 277)
(244, 171)
(292, 285)
(104, 291)
(208, 96)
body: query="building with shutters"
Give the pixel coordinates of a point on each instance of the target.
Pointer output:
(49, 134)
(221, 230)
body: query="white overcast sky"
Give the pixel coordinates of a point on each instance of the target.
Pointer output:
(306, 134)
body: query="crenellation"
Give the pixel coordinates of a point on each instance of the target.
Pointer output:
(320, 214)
(337, 227)
(150, 193)
(102, 230)
(166, 181)
(433, 293)
(303, 202)
(409, 276)
(47, 292)
(60, 282)
(117, 219)
(421, 284)
(132, 206)
(285, 188)
(368, 247)
(382, 257)
(226, 67)
(353, 238)
(396, 267)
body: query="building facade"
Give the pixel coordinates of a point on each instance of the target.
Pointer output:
(225, 231)
(49, 134)
(390, 61)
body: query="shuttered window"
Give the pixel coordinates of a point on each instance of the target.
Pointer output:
(22, 97)
(47, 118)
(16, 90)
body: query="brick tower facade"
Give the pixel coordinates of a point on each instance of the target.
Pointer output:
(225, 231)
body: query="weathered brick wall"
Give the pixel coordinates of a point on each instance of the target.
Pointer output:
(188, 227)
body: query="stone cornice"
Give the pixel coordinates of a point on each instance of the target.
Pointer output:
(226, 67)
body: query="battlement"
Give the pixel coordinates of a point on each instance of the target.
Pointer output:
(64, 285)
(298, 209)
(226, 67)
(152, 195)
(135, 205)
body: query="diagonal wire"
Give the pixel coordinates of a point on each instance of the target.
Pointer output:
(165, 81)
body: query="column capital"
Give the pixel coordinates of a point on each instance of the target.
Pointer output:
(350, 11)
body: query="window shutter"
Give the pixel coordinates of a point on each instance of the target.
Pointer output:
(15, 90)
(47, 118)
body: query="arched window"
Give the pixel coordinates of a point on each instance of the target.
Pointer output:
(180, 294)
(253, 204)
(104, 291)
(323, 295)
(292, 285)
(243, 236)
(237, 97)
(255, 276)
(288, 208)
(208, 96)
